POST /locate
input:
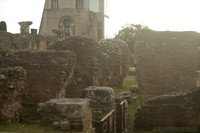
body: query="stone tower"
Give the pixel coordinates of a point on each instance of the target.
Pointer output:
(73, 17)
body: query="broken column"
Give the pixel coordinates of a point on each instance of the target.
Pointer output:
(24, 29)
(74, 115)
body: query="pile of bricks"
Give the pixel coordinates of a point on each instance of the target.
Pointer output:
(12, 84)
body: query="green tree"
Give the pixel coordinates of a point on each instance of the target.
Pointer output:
(3, 26)
(128, 32)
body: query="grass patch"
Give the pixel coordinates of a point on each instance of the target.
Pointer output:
(23, 128)
(132, 108)
(126, 84)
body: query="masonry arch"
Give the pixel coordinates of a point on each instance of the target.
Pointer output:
(66, 26)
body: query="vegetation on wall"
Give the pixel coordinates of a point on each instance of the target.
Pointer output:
(3, 26)
(128, 32)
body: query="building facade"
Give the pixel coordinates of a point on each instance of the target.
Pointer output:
(73, 17)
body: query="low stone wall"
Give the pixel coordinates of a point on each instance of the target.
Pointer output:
(12, 84)
(166, 62)
(178, 112)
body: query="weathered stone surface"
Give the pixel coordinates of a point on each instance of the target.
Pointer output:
(101, 100)
(114, 57)
(166, 62)
(177, 110)
(6, 40)
(12, 85)
(84, 73)
(48, 75)
(76, 111)
(9, 41)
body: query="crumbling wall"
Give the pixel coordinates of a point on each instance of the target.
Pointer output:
(166, 62)
(114, 57)
(48, 76)
(12, 85)
(6, 40)
(85, 70)
(18, 42)
(177, 112)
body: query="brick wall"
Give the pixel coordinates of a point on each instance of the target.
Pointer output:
(178, 113)
(48, 76)
(12, 85)
(166, 62)
(84, 72)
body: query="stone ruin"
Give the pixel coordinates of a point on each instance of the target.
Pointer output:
(10, 41)
(74, 115)
(12, 86)
(48, 74)
(101, 101)
(166, 64)
(56, 68)
(178, 112)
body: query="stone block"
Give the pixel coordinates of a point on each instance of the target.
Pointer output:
(72, 114)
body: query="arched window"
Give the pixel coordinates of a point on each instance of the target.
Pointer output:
(54, 4)
(79, 4)
(66, 26)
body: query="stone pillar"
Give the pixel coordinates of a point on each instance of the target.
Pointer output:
(24, 29)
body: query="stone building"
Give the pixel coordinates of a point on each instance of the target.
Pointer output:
(73, 17)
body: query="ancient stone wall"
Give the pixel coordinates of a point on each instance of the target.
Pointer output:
(12, 85)
(84, 72)
(177, 112)
(18, 42)
(48, 76)
(166, 62)
(114, 57)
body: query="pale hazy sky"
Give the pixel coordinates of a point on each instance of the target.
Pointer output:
(175, 15)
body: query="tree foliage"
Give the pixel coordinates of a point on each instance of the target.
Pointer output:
(128, 32)
(3, 26)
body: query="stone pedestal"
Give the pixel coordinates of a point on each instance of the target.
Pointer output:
(24, 29)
